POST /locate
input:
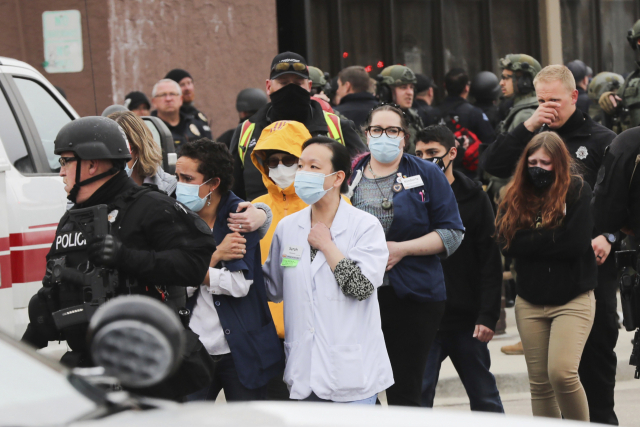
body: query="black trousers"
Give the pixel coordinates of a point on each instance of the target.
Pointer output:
(599, 362)
(409, 328)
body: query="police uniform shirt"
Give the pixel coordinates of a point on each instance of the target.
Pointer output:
(199, 117)
(187, 129)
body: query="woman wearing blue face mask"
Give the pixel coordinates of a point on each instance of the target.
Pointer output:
(326, 262)
(229, 310)
(414, 202)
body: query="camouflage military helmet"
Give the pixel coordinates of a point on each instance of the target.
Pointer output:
(396, 75)
(633, 35)
(317, 77)
(521, 62)
(604, 82)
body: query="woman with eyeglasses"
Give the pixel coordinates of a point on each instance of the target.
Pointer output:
(414, 202)
(326, 262)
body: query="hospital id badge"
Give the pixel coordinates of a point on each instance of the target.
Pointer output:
(291, 256)
(412, 182)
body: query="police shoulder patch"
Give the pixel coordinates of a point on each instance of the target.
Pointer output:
(203, 117)
(194, 129)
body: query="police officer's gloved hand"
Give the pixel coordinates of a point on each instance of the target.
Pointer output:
(606, 104)
(104, 251)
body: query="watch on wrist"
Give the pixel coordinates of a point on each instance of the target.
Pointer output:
(611, 238)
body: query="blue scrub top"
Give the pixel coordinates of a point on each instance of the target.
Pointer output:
(417, 212)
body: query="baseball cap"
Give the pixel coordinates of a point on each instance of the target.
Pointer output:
(578, 69)
(424, 83)
(134, 99)
(289, 63)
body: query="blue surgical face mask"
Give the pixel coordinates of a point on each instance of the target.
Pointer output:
(310, 186)
(384, 149)
(189, 195)
(128, 169)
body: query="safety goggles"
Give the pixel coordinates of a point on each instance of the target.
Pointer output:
(288, 66)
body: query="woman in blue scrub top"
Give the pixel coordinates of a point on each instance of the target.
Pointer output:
(414, 202)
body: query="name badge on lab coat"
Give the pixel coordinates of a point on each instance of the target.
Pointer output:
(291, 256)
(412, 182)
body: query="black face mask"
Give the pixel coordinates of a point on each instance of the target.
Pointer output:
(290, 103)
(439, 161)
(541, 178)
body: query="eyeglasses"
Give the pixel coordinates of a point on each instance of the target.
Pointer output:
(167, 95)
(287, 160)
(64, 161)
(503, 77)
(392, 132)
(286, 66)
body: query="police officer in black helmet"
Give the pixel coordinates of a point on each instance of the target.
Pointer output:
(248, 102)
(485, 90)
(157, 246)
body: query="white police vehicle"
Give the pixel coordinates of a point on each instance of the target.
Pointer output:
(32, 197)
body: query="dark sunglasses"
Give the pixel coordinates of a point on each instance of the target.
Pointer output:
(64, 161)
(287, 160)
(286, 66)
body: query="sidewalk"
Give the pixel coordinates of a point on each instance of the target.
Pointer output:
(511, 371)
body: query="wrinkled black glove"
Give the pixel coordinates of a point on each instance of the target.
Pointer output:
(104, 251)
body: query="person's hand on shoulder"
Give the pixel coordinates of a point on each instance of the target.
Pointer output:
(249, 220)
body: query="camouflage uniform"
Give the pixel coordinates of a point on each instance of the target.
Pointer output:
(524, 104)
(397, 75)
(629, 109)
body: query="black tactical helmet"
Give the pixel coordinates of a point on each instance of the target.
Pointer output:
(251, 100)
(93, 138)
(485, 86)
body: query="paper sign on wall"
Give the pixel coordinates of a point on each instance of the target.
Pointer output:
(62, 33)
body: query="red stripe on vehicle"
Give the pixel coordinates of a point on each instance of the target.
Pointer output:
(34, 238)
(29, 265)
(31, 227)
(4, 244)
(5, 271)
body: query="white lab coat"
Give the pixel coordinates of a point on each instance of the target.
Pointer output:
(333, 343)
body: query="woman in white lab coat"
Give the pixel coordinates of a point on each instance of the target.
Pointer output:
(326, 263)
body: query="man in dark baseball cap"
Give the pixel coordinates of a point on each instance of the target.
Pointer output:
(288, 87)
(137, 103)
(289, 63)
(424, 98)
(184, 79)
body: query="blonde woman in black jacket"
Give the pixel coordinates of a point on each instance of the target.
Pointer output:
(545, 224)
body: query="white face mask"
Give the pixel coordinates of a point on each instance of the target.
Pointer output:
(283, 175)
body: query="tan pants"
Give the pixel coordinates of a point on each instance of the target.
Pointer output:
(553, 338)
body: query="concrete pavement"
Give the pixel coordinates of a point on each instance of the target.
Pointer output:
(513, 383)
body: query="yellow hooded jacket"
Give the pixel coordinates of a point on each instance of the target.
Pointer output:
(285, 136)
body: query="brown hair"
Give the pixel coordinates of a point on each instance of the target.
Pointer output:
(141, 140)
(357, 76)
(522, 202)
